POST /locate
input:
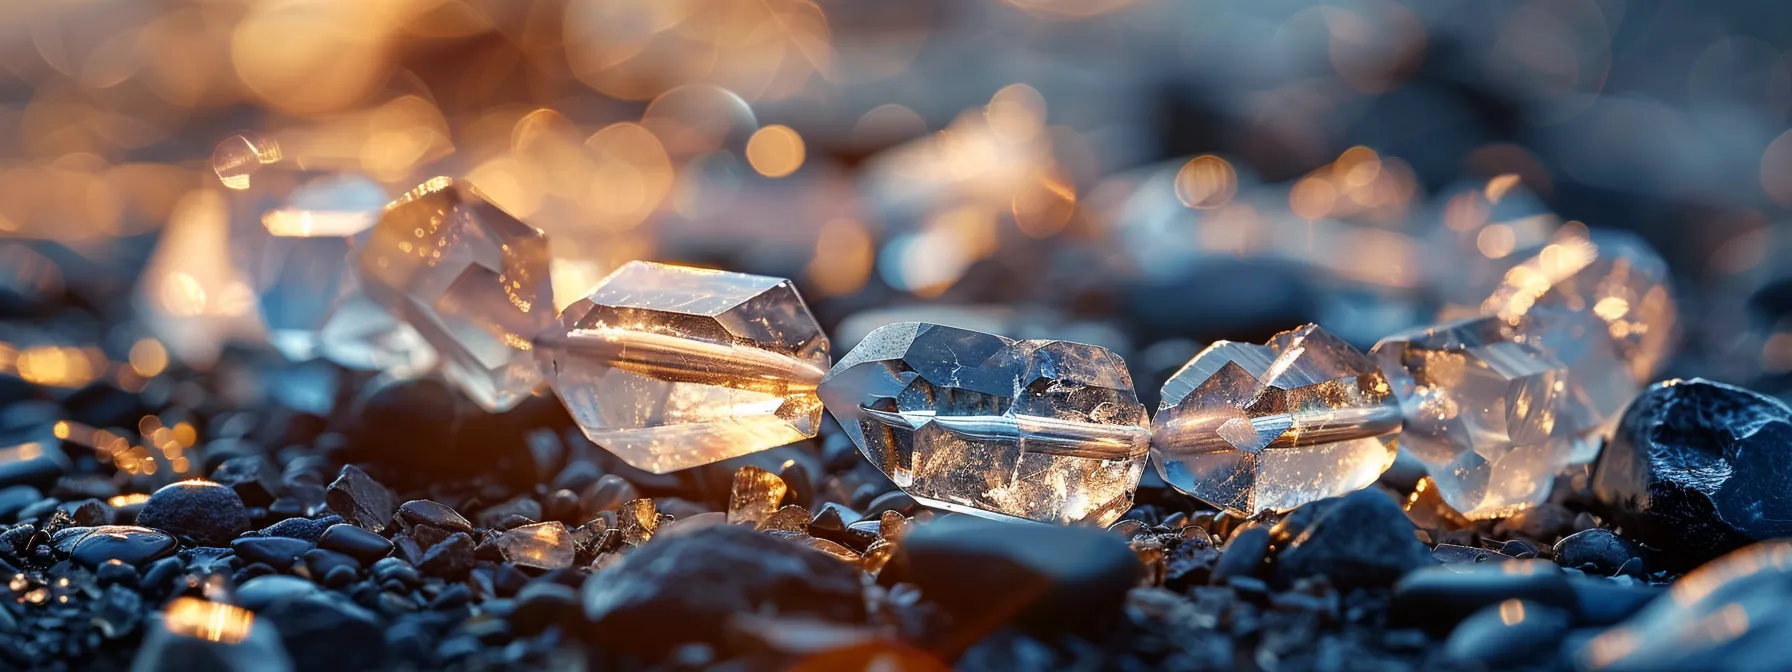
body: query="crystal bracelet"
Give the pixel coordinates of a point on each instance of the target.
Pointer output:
(671, 367)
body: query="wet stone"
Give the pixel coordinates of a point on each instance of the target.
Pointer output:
(135, 546)
(699, 580)
(1600, 552)
(1253, 428)
(206, 512)
(1512, 632)
(1360, 539)
(360, 500)
(956, 418)
(1698, 468)
(276, 552)
(355, 542)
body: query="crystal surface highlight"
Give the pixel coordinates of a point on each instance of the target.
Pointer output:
(976, 423)
(1612, 275)
(471, 279)
(671, 367)
(1495, 410)
(1253, 428)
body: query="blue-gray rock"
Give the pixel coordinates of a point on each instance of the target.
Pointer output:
(262, 592)
(134, 546)
(297, 528)
(276, 552)
(1512, 632)
(1360, 539)
(360, 500)
(15, 498)
(1733, 614)
(1437, 598)
(356, 542)
(1600, 551)
(325, 632)
(206, 512)
(166, 651)
(702, 579)
(1697, 469)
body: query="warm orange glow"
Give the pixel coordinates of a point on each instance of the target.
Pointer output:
(210, 621)
(1312, 198)
(775, 151)
(1206, 182)
(1044, 205)
(844, 253)
(118, 501)
(1016, 113)
(148, 357)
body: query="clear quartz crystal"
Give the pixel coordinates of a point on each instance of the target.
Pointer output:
(1494, 410)
(1253, 428)
(1612, 275)
(976, 423)
(305, 224)
(671, 367)
(542, 545)
(471, 279)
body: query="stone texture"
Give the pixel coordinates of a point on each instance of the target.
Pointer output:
(1611, 275)
(671, 367)
(977, 423)
(1495, 410)
(471, 279)
(1729, 614)
(1697, 469)
(1253, 428)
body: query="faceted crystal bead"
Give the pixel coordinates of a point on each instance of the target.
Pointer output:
(1253, 428)
(671, 367)
(1612, 275)
(471, 279)
(1495, 410)
(305, 224)
(980, 424)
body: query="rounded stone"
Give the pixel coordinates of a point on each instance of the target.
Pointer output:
(130, 545)
(208, 513)
(1599, 551)
(355, 542)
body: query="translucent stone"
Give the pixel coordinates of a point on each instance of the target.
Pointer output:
(1612, 275)
(471, 279)
(671, 367)
(976, 423)
(543, 545)
(755, 495)
(1494, 410)
(1252, 428)
(639, 520)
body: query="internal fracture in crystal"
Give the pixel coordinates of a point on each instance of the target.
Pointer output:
(1609, 274)
(976, 423)
(671, 367)
(1253, 428)
(471, 279)
(1494, 410)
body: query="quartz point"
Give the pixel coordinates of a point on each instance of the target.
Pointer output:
(471, 279)
(671, 367)
(541, 545)
(1610, 274)
(1494, 410)
(1252, 428)
(976, 423)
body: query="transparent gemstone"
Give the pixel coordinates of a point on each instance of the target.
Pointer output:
(980, 424)
(1612, 275)
(543, 545)
(1493, 410)
(755, 495)
(1253, 428)
(471, 279)
(671, 367)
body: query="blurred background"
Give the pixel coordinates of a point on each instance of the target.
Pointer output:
(1147, 175)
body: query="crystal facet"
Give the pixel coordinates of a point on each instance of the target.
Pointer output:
(471, 279)
(1612, 275)
(1494, 410)
(981, 424)
(541, 545)
(671, 367)
(1253, 428)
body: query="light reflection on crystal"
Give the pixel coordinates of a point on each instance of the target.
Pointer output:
(471, 279)
(194, 296)
(755, 495)
(980, 424)
(1253, 428)
(671, 367)
(541, 545)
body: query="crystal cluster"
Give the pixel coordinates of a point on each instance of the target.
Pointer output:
(977, 423)
(305, 224)
(1494, 409)
(1612, 275)
(471, 279)
(1253, 428)
(671, 367)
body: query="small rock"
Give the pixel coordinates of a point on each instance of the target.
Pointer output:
(276, 552)
(1697, 469)
(325, 632)
(1438, 598)
(1510, 633)
(1360, 539)
(1542, 522)
(15, 498)
(1599, 551)
(297, 528)
(494, 516)
(262, 592)
(1243, 556)
(1728, 614)
(699, 580)
(135, 546)
(206, 512)
(360, 500)
(1047, 580)
(322, 562)
(1599, 601)
(609, 493)
(251, 476)
(434, 514)
(450, 559)
(356, 542)
(544, 603)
